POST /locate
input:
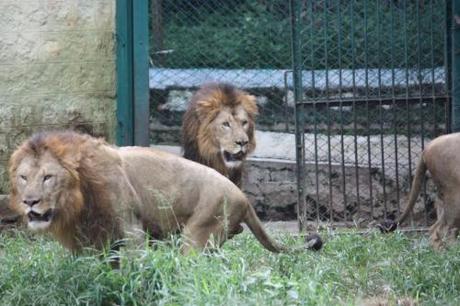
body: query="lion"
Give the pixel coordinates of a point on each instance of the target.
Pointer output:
(87, 193)
(441, 159)
(218, 129)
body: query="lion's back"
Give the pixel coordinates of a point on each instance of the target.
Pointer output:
(442, 159)
(168, 171)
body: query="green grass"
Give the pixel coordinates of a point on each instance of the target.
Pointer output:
(350, 268)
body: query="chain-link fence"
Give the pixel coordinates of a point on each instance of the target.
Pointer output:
(375, 90)
(243, 42)
(374, 86)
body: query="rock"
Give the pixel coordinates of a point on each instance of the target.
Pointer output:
(177, 101)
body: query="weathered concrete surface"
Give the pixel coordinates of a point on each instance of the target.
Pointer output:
(57, 70)
(271, 187)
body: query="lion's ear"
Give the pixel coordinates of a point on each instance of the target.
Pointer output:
(250, 105)
(72, 162)
(15, 160)
(69, 156)
(206, 108)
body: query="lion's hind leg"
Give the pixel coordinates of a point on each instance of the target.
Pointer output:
(195, 237)
(447, 226)
(443, 234)
(212, 235)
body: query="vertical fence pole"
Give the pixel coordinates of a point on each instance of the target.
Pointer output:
(132, 72)
(448, 64)
(125, 117)
(455, 65)
(141, 71)
(299, 111)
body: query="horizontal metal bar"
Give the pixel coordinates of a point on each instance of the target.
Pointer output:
(347, 102)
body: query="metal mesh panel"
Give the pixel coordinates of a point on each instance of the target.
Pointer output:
(375, 91)
(243, 42)
(374, 88)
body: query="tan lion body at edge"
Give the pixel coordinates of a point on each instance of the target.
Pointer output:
(441, 158)
(218, 129)
(88, 193)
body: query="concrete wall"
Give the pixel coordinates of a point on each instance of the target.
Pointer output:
(57, 70)
(271, 188)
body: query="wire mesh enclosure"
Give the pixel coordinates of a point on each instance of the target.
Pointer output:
(371, 81)
(243, 42)
(363, 86)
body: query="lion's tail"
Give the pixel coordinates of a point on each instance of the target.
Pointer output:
(258, 230)
(415, 190)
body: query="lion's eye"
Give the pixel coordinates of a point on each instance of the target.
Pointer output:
(226, 124)
(47, 177)
(245, 122)
(23, 177)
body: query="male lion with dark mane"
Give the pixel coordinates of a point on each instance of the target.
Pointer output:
(441, 159)
(218, 129)
(89, 193)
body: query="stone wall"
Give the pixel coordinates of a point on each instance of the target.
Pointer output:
(271, 187)
(57, 70)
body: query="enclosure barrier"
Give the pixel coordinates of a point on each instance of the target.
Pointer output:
(245, 43)
(363, 85)
(364, 116)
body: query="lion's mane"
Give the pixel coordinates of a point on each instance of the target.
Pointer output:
(198, 141)
(88, 196)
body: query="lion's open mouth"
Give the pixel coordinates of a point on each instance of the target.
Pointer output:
(236, 157)
(36, 217)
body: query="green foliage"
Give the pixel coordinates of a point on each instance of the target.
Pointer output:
(334, 34)
(225, 36)
(350, 268)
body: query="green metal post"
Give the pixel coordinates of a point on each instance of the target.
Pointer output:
(455, 65)
(299, 111)
(141, 71)
(132, 72)
(125, 117)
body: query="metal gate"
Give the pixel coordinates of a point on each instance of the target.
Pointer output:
(371, 85)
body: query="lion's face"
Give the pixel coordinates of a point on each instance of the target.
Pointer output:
(39, 182)
(231, 128)
(218, 128)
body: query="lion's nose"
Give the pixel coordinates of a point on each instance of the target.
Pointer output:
(241, 143)
(31, 202)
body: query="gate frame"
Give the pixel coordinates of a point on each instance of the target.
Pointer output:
(294, 7)
(452, 71)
